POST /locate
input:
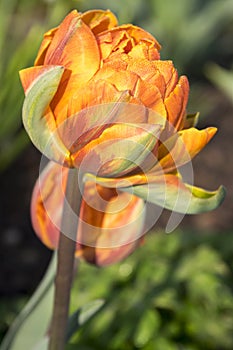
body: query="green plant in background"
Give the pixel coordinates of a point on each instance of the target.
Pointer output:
(222, 78)
(175, 290)
(176, 294)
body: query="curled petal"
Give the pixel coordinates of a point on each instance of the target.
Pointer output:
(182, 147)
(170, 192)
(42, 129)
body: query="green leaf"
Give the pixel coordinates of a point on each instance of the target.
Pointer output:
(32, 323)
(171, 193)
(37, 99)
(82, 315)
(222, 78)
(148, 325)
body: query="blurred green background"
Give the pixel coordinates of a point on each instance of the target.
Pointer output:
(175, 292)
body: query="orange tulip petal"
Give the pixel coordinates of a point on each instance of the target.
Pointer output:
(169, 74)
(74, 46)
(111, 226)
(126, 80)
(99, 20)
(143, 50)
(181, 148)
(124, 38)
(89, 96)
(150, 96)
(122, 79)
(176, 103)
(47, 202)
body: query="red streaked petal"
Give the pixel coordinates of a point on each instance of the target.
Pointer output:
(74, 46)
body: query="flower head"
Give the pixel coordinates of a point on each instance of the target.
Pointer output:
(100, 99)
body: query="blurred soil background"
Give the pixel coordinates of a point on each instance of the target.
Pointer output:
(197, 36)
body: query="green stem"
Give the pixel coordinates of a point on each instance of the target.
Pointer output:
(65, 265)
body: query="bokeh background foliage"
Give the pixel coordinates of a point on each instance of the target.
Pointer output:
(175, 292)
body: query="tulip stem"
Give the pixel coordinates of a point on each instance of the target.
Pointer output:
(65, 264)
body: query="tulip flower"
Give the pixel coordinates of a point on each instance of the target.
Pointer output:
(99, 99)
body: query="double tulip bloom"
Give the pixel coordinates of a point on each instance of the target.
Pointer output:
(99, 99)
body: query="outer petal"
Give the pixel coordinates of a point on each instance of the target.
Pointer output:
(46, 204)
(42, 129)
(110, 225)
(170, 192)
